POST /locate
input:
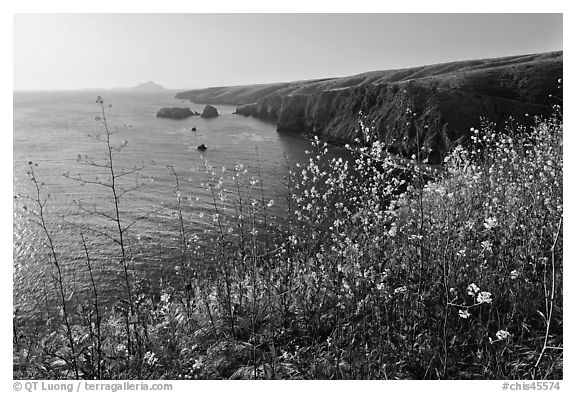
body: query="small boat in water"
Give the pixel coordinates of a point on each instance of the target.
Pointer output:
(202, 147)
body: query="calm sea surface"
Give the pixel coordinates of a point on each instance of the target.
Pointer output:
(52, 129)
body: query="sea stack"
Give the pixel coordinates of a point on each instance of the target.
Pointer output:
(175, 113)
(202, 147)
(209, 112)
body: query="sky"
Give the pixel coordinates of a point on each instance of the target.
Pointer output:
(179, 51)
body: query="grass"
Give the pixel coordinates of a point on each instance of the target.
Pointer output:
(379, 269)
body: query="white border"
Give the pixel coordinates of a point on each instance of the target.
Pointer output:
(247, 6)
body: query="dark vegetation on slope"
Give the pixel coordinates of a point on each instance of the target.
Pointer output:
(445, 101)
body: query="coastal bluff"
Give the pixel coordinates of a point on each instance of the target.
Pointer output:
(432, 106)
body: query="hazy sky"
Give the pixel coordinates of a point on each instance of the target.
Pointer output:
(71, 51)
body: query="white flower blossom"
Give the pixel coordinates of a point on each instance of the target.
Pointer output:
(502, 334)
(472, 289)
(401, 289)
(490, 223)
(197, 364)
(484, 297)
(486, 245)
(150, 358)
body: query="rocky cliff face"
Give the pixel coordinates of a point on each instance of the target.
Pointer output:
(432, 106)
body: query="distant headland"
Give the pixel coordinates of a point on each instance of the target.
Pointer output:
(146, 86)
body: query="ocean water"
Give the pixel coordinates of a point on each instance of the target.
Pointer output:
(52, 129)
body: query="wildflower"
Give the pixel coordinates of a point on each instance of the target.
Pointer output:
(514, 274)
(486, 245)
(502, 334)
(490, 223)
(120, 348)
(472, 289)
(346, 286)
(461, 253)
(150, 358)
(197, 364)
(270, 203)
(401, 289)
(463, 314)
(484, 297)
(165, 297)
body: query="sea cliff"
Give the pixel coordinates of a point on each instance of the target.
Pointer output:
(430, 106)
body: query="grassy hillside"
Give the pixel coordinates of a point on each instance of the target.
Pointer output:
(448, 75)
